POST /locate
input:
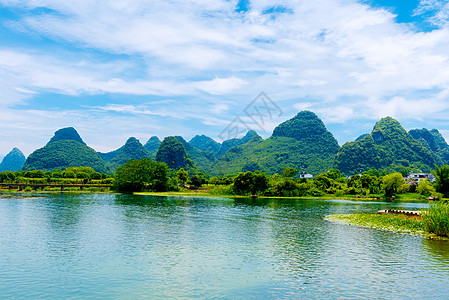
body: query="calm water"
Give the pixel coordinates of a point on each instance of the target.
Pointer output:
(128, 247)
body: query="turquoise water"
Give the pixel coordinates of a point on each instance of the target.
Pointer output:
(129, 247)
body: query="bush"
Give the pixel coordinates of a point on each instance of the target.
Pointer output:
(221, 190)
(436, 220)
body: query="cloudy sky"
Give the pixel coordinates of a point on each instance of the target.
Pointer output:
(114, 69)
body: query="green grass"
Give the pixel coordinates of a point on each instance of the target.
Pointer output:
(436, 220)
(396, 223)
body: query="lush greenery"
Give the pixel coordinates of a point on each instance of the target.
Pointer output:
(436, 219)
(172, 152)
(201, 159)
(63, 154)
(135, 175)
(71, 175)
(388, 146)
(205, 143)
(398, 223)
(68, 133)
(434, 142)
(13, 161)
(309, 150)
(432, 222)
(132, 149)
(152, 145)
(442, 179)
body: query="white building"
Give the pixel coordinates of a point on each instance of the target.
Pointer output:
(307, 176)
(421, 176)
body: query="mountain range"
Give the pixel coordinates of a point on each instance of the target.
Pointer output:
(302, 142)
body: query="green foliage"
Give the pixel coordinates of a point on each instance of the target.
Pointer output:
(250, 183)
(13, 161)
(434, 142)
(231, 143)
(63, 154)
(333, 174)
(289, 172)
(442, 179)
(195, 181)
(388, 147)
(425, 188)
(436, 220)
(152, 144)
(182, 175)
(132, 149)
(205, 143)
(172, 152)
(68, 133)
(392, 183)
(135, 175)
(196, 158)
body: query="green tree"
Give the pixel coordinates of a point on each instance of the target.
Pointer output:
(333, 174)
(195, 181)
(182, 175)
(289, 172)
(137, 174)
(392, 183)
(442, 179)
(425, 188)
(250, 183)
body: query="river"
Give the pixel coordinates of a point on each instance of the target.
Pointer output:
(83, 246)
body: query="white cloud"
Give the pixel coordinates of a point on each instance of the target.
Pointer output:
(339, 58)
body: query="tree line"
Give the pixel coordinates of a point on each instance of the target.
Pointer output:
(148, 175)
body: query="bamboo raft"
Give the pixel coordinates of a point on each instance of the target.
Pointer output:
(400, 212)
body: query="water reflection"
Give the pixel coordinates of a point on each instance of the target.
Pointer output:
(124, 246)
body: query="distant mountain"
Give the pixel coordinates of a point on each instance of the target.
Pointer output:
(205, 143)
(13, 161)
(388, 145)
(172, 152)
(228, 144)
(65, 149)
(132, 149)
(202, 159)
(302, 142)
(152, 145)
(434, 142)
(68, 133)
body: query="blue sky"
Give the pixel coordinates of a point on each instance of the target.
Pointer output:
(115, 69)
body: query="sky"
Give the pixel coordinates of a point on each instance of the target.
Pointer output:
(115, 69)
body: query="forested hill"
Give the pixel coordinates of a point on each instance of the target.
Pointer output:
(13, 161)
(132, 149)
(302, 142)
(65, 149)
(389, 146)
(434, 142)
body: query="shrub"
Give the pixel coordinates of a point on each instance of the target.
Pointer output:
(436, 220)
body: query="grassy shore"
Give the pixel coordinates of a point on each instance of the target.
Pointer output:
(411, 197)
(397, 223)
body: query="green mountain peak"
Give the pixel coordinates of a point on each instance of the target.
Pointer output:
(68, 133)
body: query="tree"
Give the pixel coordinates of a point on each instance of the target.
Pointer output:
(392, 183)
(333, 174)
(137, 174)
(289, 172)
(442, 179)
(182, 175)
(250, 182)
(195, 181)
(425, 188)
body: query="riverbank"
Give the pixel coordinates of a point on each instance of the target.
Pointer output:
(396, 223)
(202, 193)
